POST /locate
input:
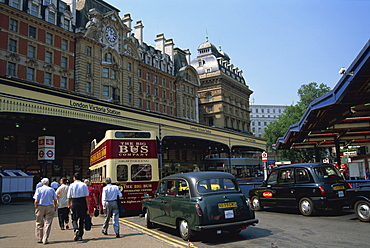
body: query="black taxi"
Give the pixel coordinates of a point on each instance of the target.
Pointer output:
(309, 186)
(198, 202)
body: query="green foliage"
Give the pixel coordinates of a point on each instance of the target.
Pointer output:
(292, 114)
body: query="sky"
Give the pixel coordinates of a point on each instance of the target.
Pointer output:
(278, 44)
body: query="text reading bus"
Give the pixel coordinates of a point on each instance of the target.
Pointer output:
(130, 159)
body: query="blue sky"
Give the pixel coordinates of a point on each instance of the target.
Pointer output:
(279, 44)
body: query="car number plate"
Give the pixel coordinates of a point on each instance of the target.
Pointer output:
(338, 187)
(227, 205)
(340, 194)
(229, 214)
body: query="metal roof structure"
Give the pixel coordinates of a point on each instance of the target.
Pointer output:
(341, 116)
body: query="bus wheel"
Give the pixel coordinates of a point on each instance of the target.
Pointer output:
(149, 224)
(6, 198)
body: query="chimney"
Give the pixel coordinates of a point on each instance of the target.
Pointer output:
(168, 48)
(159, 42)
(139, 31)
(127, 21)
(187, 55)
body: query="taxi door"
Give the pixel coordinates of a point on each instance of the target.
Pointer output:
(267, 194)
(285, 188)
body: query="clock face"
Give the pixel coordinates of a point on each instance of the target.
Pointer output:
(110, 34)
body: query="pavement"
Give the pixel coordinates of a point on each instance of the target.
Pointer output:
(17, 229)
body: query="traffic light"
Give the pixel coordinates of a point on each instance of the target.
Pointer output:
(44, 128)
(17, 125)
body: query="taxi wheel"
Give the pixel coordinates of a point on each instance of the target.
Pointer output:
(306, 206)
(362, 210)
(6, 198)
(149, 224)
(185, 232)
(256, 203)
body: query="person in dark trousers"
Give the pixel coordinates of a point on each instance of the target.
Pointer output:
(110, 206)
(77, 201)
(63, 210)
(45, 207)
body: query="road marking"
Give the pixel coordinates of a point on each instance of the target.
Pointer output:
(155, 234)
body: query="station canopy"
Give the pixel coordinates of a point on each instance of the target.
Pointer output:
(342, 115)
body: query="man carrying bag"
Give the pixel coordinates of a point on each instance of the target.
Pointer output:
(110, 206)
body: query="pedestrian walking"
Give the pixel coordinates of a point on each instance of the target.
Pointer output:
(54, 184)
(63, 210)
(110, 206)
(77, 201)
(92, 200)
(45, 207)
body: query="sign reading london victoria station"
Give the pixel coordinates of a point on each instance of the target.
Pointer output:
(125, 149)
(94, 107)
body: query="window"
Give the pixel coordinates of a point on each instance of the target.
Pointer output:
(106, 72)
(209, 97)
(286, 176)
(12, 45)
(147, 76)
(108, 58)
(16, 4)
(88, 87)
(164, 109)
(156, 91)
(47, 79)
(11, 69)
(65, 23)
(209, 109)
(148, 103)
(128, 66)
(219, 185)
(140, 102)
(88, 68)
(49, 38)
(113, 74)
(48, 57)
(171, 97)
(129, 98)
(64, 44)
(141, 172)
(31, 52)
(122, 172)
(183, 188)
(88, 51)
(171, 110)
(163, 82)
(30, 74)
(64, 62)
(34, 10)
(105, 91)
(13, 25)
(139, 87)
(273, 177)
(148, 89)
(139, 72)
(156, 108)
(63, 83)
(302, 175)
(163, 94)
(129, 81)
(51, 17)
(32, 32)
(155, 79)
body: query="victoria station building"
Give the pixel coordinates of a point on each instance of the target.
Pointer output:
(70, 70)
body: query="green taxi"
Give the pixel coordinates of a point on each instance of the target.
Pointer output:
(197, 202)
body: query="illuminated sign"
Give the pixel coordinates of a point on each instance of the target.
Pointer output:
(267, 194)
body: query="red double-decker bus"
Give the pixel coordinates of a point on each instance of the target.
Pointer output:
(130, 159)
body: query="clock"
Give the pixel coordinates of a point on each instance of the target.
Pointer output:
(110, 34)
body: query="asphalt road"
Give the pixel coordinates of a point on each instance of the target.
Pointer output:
(277, 229)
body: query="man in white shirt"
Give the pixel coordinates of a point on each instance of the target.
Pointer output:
(77, 201)
(110, 206)
(45, 207)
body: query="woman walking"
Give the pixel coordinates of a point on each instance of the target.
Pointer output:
(92, 199)
(63, 210)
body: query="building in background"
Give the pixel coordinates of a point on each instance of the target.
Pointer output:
(223, 93)
(262, 115)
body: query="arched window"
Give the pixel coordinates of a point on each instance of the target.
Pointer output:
(109, 58)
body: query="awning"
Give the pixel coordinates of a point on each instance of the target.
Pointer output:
(342, 114)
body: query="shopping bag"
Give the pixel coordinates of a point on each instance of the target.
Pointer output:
(88, 222)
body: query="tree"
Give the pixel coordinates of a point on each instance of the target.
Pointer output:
(292, 114)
